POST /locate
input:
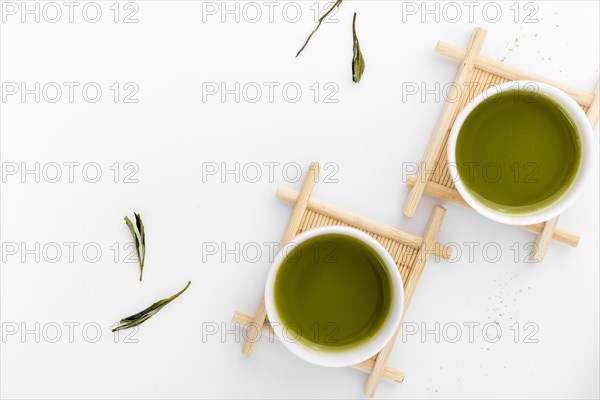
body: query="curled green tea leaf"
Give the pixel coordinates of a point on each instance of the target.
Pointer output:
(335, 5)
(358, 62)
(140, 227)
(142, 316)
(141, 253)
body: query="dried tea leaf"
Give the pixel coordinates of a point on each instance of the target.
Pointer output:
(142, 316)
(336, 4)
(358, 62)
(136, 242)
(140, 227)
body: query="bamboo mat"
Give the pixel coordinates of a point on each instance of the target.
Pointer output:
(409, 251)
(476, 74)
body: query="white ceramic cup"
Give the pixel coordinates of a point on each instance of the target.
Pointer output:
(356, 354)
(586, 163)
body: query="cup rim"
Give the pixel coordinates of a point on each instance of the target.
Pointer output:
(571, 193)
(354, 355)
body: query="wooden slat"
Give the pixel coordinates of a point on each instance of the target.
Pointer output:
(542, 241)
(477, 84)
(357, 221)
(451, 195)
(366, 366)
(410, 285)
(443, 125)
(594, 109)
(397, 250)
(512, 73)
(290, 233)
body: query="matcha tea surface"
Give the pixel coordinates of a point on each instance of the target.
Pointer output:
(332, 292)
(518, 151)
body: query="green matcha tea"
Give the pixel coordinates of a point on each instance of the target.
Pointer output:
(332, 292)
(518, 151)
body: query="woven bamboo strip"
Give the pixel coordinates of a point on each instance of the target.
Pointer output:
(451, 195)
(357, 221)
(290, 233)
(443, 124)
(410, 284)
(366, 366)
(320, 220)
(394, 249)
(304, 222)
(311, 220)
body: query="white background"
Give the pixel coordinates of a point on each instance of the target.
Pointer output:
(372, 129)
